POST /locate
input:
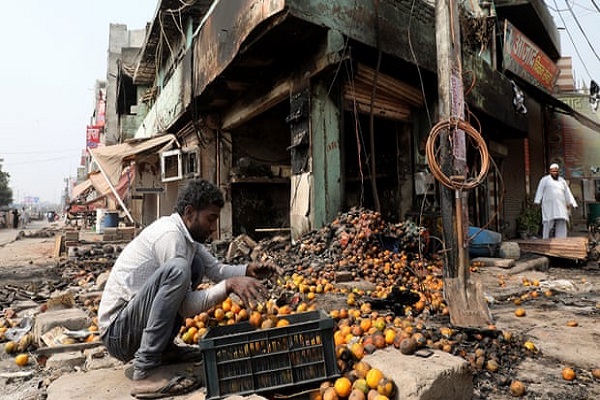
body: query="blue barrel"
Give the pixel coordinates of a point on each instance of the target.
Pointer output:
(110, 220)
(485, 244)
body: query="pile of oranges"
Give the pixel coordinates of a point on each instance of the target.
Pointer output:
(364, 383)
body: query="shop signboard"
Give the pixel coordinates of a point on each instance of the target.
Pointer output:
(525, 59)
(93, 136)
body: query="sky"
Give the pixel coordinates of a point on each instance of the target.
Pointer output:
(53, 51)
(578, 22)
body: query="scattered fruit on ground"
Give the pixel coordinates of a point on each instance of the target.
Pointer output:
(22, 359)
(342, 386)
(373, 377)
(324, 386)
(492, 365)
(520, 312)
(330, 394)
(517, 389)
(408, 346)
(10, 347)
(572, 323)
(373, 394)
(568, 374)
(362, 368)
(358, 350)
(315, 395)
(596, 373)
(529, 346)
(361, 384)
(357, 394)
(385, 387)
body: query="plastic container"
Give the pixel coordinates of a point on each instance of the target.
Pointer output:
(485, 244)
(106, 219)
(111, 219)
(240, 359)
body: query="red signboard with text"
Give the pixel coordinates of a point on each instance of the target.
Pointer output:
(523, 58)
(93, 136)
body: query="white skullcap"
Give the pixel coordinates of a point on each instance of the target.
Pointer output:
(554, 166)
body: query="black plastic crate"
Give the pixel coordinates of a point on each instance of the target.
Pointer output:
(240, 359)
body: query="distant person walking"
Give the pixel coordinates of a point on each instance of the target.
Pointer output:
(554, 195)
(15, 221)
(24, 218)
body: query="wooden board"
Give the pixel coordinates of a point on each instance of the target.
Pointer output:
(571, 247)
(58, 242)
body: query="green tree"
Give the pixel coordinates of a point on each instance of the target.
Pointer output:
(6, 194)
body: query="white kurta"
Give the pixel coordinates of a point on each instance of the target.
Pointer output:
(554, 196)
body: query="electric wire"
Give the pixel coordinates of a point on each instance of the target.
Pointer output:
(358, 134)
(581, 29)
(374, 189)
(571, 39)
(432, 147)
(414, 56)
(8, 163)
(26, 153)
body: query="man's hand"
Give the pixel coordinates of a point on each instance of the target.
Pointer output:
(263, 270)
(247, 288)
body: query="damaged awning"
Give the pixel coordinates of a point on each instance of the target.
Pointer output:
(122, 187)
(101, 187)
(110, 158)
(114, 178)
(81, 188)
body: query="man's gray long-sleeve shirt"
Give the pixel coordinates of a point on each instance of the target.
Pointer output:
(164, 239)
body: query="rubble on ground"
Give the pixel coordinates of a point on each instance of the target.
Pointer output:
(348, 264)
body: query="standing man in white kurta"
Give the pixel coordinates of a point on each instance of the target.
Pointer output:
(554, 195)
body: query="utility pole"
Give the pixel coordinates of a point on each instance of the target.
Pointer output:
(451, 105)
(464, 297)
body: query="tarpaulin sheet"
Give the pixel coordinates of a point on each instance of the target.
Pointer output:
(110, 158)
(81, 188)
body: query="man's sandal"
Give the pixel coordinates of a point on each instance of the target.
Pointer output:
(177, 385)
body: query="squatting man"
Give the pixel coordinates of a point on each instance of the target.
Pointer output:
(153, 286)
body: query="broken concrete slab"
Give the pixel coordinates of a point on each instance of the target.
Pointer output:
(69, 318)
(111, 383)
(66, 361)
(440, 376)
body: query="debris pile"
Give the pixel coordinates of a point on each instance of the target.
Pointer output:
(402, 305)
